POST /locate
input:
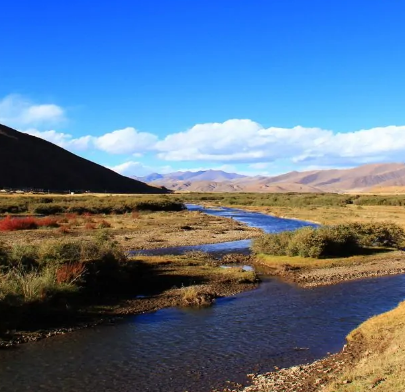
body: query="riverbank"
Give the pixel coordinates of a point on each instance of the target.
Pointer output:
(135, 231)
(57, 298)
(307, 272)
(374, 356)
(194, 279)
(372, 359)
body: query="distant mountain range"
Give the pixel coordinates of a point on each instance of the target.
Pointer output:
(203, 175)
(371, 177)
(28, 162)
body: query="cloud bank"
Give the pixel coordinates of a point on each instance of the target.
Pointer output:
(235, 141)
(245, 141)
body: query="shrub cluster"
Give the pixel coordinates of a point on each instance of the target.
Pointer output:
(87, 204)
(330, 241)
(60, 267)
(295, 200)
(26, 223)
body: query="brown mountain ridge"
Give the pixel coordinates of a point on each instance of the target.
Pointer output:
(28, 162)
(359, 179)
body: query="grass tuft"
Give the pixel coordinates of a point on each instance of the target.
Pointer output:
(194, 296)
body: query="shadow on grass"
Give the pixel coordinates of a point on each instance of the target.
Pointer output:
(101, 294)
(374, 251)
(362, 252)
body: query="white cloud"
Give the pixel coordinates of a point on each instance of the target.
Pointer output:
(138, 169)
(245, 141)
(62, 139)
(17, 111)
(233, 142)
(132, 168)
(239, 141)
(126, 141)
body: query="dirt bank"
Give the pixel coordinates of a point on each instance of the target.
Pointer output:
(312, 272)
(165, 282)
(319, 277)
(373, 359)
(310, 377)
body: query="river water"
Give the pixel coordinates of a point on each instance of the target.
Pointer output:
(269, 224)
(193, 350)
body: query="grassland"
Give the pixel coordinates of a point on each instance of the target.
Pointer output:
(135, 222)
(71, 269)
(292, 200)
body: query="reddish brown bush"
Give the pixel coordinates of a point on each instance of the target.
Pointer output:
(47, 222)
(69, 273)
(26, 223)
(12, 224)
(89, 226)
(63, 220)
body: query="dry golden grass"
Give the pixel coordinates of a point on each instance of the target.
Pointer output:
(142, 230)
(336, 215)
(307, 262)
(381, 364)
(386, 190)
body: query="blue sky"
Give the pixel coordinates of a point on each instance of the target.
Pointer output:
(260, 87)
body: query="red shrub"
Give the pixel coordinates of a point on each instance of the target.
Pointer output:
(12, 224)
(26, 223)
(135, 214)
(68, 273)
(89, 226)
(47, 222)
(63, 220)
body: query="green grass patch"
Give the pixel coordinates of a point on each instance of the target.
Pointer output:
(331, 241)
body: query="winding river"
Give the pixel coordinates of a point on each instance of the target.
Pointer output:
(194, 350)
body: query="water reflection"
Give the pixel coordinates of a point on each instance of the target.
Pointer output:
(193, 350)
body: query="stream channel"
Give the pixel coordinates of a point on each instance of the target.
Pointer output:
(177, 350)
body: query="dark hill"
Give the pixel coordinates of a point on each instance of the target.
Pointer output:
(28, 162)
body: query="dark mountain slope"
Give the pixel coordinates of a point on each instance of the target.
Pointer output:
(30, 162)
